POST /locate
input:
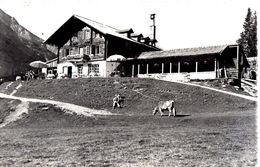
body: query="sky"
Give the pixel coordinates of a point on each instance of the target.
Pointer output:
(179, 23)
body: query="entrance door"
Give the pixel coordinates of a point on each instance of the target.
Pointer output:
(69, 71)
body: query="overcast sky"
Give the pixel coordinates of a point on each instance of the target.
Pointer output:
(180, 23)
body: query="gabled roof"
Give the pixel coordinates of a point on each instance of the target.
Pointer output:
(183, 52)
(105, 29)
(76, 23)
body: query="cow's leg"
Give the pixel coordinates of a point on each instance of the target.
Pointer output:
(118, 105)
(174, 111)
(170, 111)
(161, 112)
(114, 104)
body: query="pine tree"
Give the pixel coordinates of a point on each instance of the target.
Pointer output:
(254, 36)
(248, 38)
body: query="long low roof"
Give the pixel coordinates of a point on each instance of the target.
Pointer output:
(183, 52)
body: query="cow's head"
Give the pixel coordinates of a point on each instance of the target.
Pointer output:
(155, 110)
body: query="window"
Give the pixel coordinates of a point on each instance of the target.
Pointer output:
(93, 34)
(67, 52)
(80, 69)
(88, 50)
(97, 49)
(80, 35)
(93, 68)
(65, 70)
(71, 52)
(86, 34)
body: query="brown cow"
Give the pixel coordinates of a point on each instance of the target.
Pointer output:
(165, 105)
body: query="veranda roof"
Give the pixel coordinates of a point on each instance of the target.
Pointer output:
(182, 52)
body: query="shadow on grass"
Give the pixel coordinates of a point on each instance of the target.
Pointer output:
(179, 115)
(182, 115)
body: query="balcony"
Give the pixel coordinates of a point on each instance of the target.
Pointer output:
(74, 58)
(81, 58)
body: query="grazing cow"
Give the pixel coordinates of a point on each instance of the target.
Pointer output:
(116, 101)
(165, 105)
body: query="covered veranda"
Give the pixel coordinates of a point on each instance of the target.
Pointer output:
(192, 63)
(176, 68)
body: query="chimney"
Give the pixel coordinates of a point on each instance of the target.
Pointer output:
(153, 40)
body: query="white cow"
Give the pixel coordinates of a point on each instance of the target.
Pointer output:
(165, 105)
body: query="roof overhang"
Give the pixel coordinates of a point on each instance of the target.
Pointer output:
(185, 52)
(65, 32)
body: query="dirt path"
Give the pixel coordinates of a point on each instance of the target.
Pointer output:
(20, 109)
(16, 88)
(221, 91)
(80, 110)
(7, 86)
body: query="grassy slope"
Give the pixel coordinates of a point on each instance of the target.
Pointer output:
(213, 129)
(98, 94)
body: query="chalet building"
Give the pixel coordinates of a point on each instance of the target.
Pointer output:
(84, 45)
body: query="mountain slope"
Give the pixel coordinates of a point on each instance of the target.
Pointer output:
(18, 47)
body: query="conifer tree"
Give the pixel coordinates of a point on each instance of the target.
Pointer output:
(248, 38)
(254, 36)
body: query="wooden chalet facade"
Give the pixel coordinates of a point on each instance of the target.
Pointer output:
(84, 45)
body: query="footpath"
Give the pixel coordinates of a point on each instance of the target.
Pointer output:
(221, 91)
(23, 107)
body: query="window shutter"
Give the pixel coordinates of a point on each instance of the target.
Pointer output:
(93, 49)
